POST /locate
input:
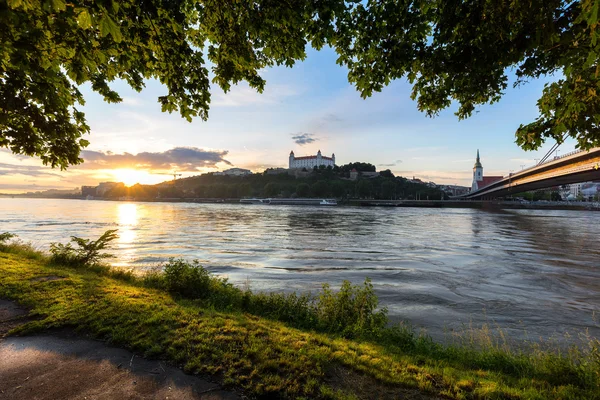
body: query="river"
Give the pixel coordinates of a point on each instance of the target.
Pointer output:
(533, 274)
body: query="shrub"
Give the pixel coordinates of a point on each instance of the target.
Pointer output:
(193, 281)
(297, 310)
(88, 252)
(4, 237)
(351, 311)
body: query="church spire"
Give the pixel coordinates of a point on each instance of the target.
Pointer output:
(478, 161)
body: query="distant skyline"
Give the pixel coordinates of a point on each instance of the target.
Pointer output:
(306, 108)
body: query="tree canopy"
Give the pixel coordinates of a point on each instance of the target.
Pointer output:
(452, 51)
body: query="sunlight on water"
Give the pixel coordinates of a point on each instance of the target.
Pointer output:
(128, 219)
(127, 214)
(522, 270)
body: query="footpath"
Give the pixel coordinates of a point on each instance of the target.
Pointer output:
(62, 365)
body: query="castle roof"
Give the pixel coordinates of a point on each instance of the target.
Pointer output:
(312, 157)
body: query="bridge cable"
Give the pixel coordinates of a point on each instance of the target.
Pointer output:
(553, 149)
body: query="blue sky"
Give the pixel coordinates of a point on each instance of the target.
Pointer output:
(254, 131)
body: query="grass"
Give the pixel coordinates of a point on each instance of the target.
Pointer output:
(283, 346)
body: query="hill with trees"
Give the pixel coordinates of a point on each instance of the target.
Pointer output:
(322, 182)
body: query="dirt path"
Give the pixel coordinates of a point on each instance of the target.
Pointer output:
(64, 366)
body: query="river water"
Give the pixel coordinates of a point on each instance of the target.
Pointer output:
(530, 273)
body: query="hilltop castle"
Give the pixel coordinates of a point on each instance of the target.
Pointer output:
(310, 162)
(480, 181)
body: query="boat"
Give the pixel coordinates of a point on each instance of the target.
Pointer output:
(291, 202)
(326, 202)
(255, 201)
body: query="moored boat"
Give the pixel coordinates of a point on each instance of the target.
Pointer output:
(291, 202)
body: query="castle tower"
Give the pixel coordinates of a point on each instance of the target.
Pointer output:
(319, 158)
(291, 165)
(333, 158)
(477, 173)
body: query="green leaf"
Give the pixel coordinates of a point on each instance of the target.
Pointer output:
(108, 26)
(84, 19)
(14, 3)
(59, 5)
(594, 14)
(591, 59)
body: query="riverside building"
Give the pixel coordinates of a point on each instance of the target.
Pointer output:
(310, 162)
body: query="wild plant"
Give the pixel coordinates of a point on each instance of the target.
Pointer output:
(88, 253)
(6, 236)
(351, 311)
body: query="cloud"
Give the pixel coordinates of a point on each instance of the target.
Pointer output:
(32, 187)
(390, 164)
(304, 138)
(185, 159)
(29, 170)
(132, 101)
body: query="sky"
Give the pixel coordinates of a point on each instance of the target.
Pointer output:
(306, 108)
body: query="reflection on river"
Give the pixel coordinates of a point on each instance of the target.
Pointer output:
(526, 271)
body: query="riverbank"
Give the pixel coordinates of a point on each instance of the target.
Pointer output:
(257, 346)
(475, 204)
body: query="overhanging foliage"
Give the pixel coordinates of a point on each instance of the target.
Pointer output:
(450, 50)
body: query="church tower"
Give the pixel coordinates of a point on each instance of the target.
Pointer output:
(477, 173)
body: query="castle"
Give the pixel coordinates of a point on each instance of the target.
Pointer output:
(480, 181)
(310, 162)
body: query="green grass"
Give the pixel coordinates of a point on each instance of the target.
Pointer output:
(283, 346)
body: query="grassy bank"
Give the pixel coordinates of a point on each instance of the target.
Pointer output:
(334, 345)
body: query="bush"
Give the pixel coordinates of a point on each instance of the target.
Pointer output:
(88, 252)
(296, 310)
(191, 280)
(351, 311)
(4, 237)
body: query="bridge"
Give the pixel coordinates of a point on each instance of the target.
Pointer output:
(575, 167)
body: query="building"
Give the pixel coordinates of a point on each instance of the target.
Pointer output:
(276, 171)
(104, 187)
(309, 162)
(369, 174)
(480, 181)
(454, 190)
(88, 191)
(234, 172)
(584, 191)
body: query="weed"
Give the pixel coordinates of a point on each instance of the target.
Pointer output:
(88, 253)
(351, 311)
(19, 247)
(6, 236)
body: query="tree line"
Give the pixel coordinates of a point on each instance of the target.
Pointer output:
(323, 183)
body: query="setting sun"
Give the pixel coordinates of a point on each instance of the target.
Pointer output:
(132, 176)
